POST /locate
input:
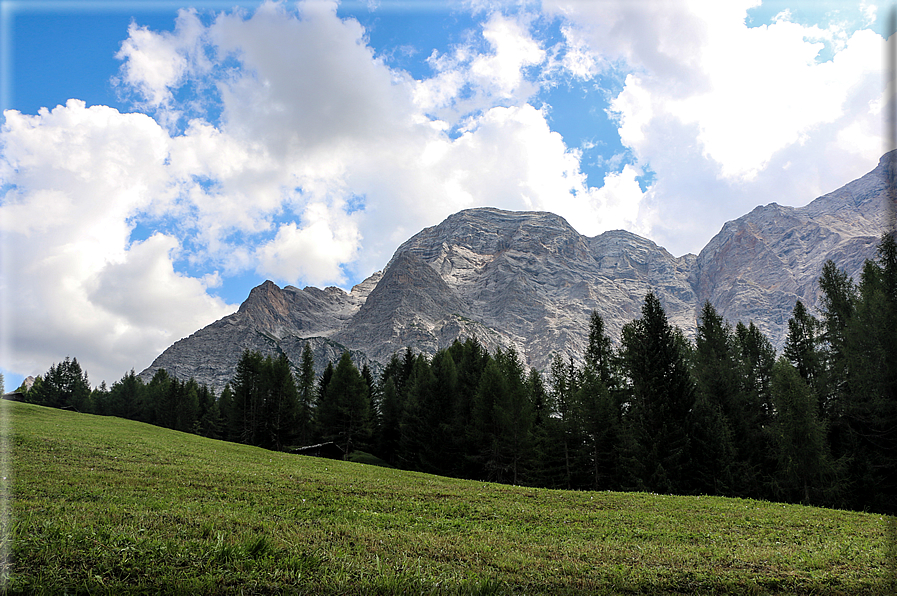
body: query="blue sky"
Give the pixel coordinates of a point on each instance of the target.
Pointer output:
(160, 159)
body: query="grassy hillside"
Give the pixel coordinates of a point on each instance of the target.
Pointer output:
(104, 505)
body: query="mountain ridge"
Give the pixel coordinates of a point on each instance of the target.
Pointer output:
(528, 280)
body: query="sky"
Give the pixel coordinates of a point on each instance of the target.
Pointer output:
(159, 159)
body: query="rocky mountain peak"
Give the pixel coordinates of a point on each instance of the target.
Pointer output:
(528, 280)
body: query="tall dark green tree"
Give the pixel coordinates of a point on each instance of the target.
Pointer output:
(543, 444)
(756, 358)
(804, 467)
(158, 402)
(723, 416)
(598, 409)
(345, 415)
(64, 385)
(246, 415)
(802, 345)
(599, 419)
(125, 397)
(564, 429)
(419, 419)
(865, 422)
(471, 360)
(186, 400)
(281, 404)
(514, 417)
(654, 356)
(439, 413)
(492, 391)
(599, 353)
(210, 423)
(306, 398)
(389, 431)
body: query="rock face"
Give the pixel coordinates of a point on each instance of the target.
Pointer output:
(528, 280)
(759, 265)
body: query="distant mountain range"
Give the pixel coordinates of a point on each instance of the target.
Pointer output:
(529, 280)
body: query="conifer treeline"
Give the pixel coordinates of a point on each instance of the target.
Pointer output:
(720, 415)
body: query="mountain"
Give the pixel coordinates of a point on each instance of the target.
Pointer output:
(528, 280)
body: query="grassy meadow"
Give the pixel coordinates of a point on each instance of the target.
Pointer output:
(109, 506)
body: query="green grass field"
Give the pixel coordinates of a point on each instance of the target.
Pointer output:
(103, 505)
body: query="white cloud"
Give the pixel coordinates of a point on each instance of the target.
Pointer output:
(514, 50)
(313, 253)
(716, 108)
(76, 176)
(324, 159)
(467, 82)
(157, 63)
(308, 82)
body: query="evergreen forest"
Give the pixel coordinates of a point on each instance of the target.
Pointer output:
(720, 415)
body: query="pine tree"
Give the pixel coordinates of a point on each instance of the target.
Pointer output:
(125, 397)
(493, 390)
(865, 426)
(654, 356)
(64, 385)
(345, 417)
(599, 419)
(211, 421)
(186, 405)
(804, 462)
(246, 416)
(471, 360)
(564, 424)
(419, 419)
(802, 345)
(514, 417)
(722, 417)
(442, 445)
(389, 429)
(543, 444)
(598, 409)
(755, 360)
(599, 351)
(157, 409)
(281, 403)
(306, 398)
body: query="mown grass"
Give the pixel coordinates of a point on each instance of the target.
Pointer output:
(103, 505)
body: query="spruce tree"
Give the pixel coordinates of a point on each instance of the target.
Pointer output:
(865, 430)
(281, 403)
(64, 385)
(654, 357)
(723, 416)
(514, 417)
(804, 467)
(419, 419)
(564, 422)
(246, 423)
(756, 358)
(345, 414)
(802, 345)
(306, 397)
(493, 390)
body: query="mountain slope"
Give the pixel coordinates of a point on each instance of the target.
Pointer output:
(760, 264)
(528, 280)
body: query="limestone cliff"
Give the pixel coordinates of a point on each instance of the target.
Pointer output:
(529, 280)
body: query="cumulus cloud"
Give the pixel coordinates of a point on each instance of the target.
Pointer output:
(75, 176)
(307, 159)
(728, 116)
(313, 253)
(157, 63)
(467, 81)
